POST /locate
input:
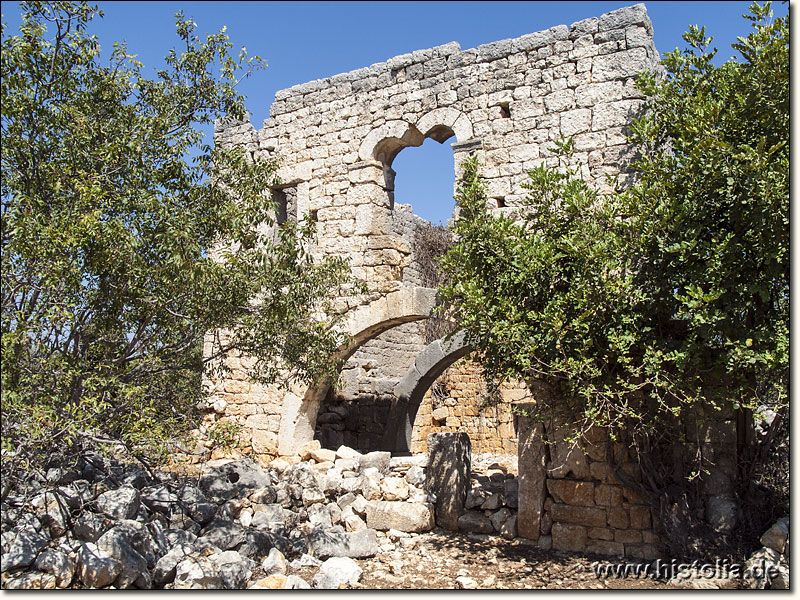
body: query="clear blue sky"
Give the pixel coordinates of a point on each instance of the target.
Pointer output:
(302, 41)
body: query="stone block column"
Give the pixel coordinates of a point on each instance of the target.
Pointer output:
(447, 478)
(532, 462)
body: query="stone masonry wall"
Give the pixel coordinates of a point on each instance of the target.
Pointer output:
(465, 403)
(570, 498)
(505, 102)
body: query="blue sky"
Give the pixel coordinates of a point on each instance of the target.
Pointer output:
(302, 41)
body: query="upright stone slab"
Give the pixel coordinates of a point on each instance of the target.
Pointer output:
(449, 463)
(532, 465)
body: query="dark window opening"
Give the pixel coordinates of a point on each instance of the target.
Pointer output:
(285, 204)
(505, 110)
(501, 202)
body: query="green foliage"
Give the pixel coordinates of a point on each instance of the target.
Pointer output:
(113, 217)
(674, 291)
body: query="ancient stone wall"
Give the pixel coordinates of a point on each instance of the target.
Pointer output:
(571, 499)
(506, 102)
(462, 400)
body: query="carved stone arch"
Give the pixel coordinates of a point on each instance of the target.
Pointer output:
(385, 142)
(363, 323)
(442, 123)
(409, 391)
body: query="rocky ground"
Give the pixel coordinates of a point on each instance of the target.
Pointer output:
(333, 520)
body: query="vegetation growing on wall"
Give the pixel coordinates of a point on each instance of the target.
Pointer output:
(671, 294)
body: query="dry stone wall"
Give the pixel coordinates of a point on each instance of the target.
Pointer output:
(506, 102)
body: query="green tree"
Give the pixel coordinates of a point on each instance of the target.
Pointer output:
(125, 239)
(670, 293)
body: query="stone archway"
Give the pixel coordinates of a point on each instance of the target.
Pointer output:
(365, 322)
(409, 391)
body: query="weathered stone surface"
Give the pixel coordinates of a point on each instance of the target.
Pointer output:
(394, 488)
(274, 563)
(128, 542)
(403, 516)
(375, 460)
(96, 568)
(24, 549)
(568, 537)
(197, 572)
(164, 571)
(499, 517)
(271, 582)
(639, 517)
(473, 521)
(775, 537)
(159, 499)
(32, 580)
(416, 475)
(356, 544)
(121, 503)
(508, 530)
(447, 475)
(721, 513)
(234, 569)
(579, 515)
(58, 564)
(293, 582)
(492, 502)
(223, 534)
(575, 493)
(337, 572)
(323, 455)
(466, 583)
(606, 548)
(532, 474)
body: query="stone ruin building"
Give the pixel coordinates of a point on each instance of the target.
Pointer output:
(505, 102)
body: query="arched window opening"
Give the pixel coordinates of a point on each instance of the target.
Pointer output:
(424, 177)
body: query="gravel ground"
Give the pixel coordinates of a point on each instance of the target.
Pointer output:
(436, 559)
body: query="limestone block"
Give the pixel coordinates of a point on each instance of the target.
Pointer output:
(447, 477)
(566, 459)
(571, 538)
(473, 521)
(583, 27)
(606, 548)
(639, 517)
(608, 495)
(532, 476)
(575, 121)
(642, 551)
(402, 516)
(628, 536)
(601, 533)
(575, 493)
(579, 515)
(776, 536)
(560, 100)
(625, 17)
(638, 36)
(619, 65)
(618, 518)
(264, 442)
